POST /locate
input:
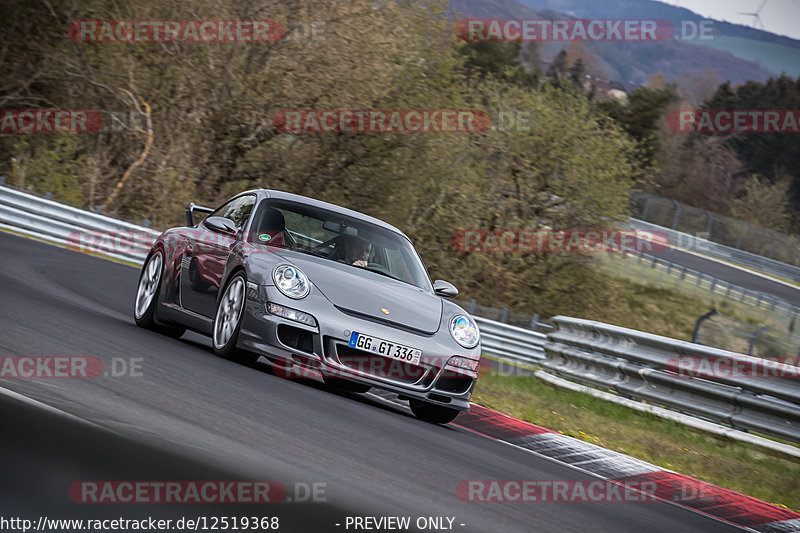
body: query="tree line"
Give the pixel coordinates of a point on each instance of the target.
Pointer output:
(202, 130)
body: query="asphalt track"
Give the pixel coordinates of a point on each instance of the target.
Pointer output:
(731, 274)
(243, 421)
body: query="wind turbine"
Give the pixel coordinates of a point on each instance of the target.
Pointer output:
(756, 16)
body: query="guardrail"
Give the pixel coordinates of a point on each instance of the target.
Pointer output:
(511, 343)
(738, 390)
(722, 252)
(75, 228)
(734, 234)
(636, 265)
(716, 285)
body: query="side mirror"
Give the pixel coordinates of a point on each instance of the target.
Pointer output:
(444, 288)
(220, 224)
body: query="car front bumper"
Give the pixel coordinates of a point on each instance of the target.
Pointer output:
(325, 349)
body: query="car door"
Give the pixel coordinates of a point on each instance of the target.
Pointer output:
(206, 255)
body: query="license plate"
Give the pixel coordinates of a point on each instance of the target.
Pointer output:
(385, 348)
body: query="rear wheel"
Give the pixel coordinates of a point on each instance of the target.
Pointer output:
(435, 414)
(228, 320)
(144, 311)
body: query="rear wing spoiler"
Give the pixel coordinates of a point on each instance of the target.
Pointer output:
(191, 209)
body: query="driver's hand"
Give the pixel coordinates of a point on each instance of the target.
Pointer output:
(360, 263)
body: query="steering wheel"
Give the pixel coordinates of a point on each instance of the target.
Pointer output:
(380, 267)
(322, 246)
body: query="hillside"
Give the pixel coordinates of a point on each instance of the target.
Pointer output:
(738, 54)
(777, 53)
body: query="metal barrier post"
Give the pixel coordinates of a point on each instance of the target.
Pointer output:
(699, 322)
(677, 214)
(753, 338)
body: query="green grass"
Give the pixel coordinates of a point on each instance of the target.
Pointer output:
(727, 463)
(638, 303)
(652, 309)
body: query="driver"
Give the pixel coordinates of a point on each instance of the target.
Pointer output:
(357, 251)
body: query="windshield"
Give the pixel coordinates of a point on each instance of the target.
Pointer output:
(336, 237)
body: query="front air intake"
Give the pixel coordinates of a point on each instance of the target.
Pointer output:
(296, 338)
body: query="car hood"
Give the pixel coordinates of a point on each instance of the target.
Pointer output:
(367, 293)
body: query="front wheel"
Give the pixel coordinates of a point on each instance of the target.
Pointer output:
(435, 414)
(228, 320)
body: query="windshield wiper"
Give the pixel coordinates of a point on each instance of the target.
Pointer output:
(383, 273)
(309, 252)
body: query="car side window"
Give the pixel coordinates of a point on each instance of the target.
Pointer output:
(219, 212)
(237, 210)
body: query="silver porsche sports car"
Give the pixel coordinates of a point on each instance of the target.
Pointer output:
(314, 288)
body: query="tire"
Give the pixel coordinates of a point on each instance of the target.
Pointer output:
(144, 307)
(228, 318)
(435, 414)
(346, 385)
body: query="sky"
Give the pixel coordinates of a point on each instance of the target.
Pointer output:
(779, 16)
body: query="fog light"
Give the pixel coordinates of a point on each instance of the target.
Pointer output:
(463, 362)
(292, 314)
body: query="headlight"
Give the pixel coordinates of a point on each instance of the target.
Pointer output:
(465, 331)
(291, 281)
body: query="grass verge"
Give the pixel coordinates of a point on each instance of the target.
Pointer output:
(643, 288)
(655, 310)
(727, 463)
